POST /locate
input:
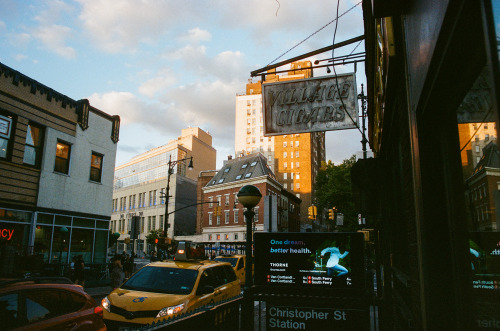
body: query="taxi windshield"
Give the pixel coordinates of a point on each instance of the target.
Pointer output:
(231, 260)
(162, 280)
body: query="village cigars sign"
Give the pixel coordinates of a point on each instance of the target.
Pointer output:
(310, 105)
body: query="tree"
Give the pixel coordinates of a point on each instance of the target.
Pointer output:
(153, 235)
(333, 189)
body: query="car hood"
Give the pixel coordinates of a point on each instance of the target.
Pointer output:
(139, 300)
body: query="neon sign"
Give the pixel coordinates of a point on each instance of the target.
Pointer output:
(6, 233)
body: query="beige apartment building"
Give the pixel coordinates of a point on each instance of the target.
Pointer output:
(295, 159)
(140, 187)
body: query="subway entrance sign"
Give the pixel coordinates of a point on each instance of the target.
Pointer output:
(312, 281)
(300, 317)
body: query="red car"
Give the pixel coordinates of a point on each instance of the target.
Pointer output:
(47, 303)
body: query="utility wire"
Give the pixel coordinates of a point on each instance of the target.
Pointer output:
(335, 72)
(324, 26)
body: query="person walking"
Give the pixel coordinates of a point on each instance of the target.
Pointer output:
(79, 271)
(117, 274)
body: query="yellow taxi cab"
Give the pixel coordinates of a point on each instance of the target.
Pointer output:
(164, 289)
(238, 264)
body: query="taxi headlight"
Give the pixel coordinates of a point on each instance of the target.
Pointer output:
(168, 311)
(106, 304)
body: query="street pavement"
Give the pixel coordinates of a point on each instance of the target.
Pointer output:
(98, 292)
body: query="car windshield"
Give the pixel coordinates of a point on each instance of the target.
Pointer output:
(231, 260)
(162, 280)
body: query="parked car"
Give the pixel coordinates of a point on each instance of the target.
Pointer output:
(47, 303)
(163, 289)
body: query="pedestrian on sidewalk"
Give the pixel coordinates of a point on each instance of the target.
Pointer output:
(79, 271)
(117, 274)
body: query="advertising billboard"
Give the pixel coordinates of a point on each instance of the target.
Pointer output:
(308, 105)
(306, 260)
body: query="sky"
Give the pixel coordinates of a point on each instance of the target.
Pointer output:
(165, 65)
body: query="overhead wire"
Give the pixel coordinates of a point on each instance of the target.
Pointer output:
(335, 73)
(324, 26)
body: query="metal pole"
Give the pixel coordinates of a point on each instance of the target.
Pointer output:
(362, 97)
(248, 312)
(167, 193)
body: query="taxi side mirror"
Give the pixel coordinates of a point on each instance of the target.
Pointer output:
(207, 289)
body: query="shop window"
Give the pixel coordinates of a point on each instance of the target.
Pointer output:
(33, 146)
(63, 154)
(6, 135)
(96, 167)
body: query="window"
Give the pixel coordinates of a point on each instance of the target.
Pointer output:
(63, 153)
(227, 237)
(96, 167)
(238, 177)
(154, 198)
(297, 143)
(226, 216)
(244, 166)
(256, 217)
(149, 224)
(236, 214)
(210, 237)
(6, 124)
(235, 236)
(284, 165)
(297, 186)
(153, 223)
(297, 176)
(296, 154)
(140, 200)
(284, 154)
(210, 217)
(218, 219)
(297, 164)
(218, 236)
(32, 148)
(211, 201)
(285, 175)
(253, 163)
(161, 222)
(284, 144)
(226, 198)
(248, 175)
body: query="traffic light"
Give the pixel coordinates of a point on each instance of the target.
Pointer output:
(312, 211)
(217, 211)
(331, 214)
(156, 241)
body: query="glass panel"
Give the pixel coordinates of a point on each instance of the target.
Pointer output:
(33, 140)
(83, 222)
(495, 4)
(102, 225)
(81, 243)
(3, 147)
(101, 245)
(60, 245)
(8, 311)
(62, 157)
(477, 128)
(43, 236)
(63, 220)
(16, 216)
(44, 219)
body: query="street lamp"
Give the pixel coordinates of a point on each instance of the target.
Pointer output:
(171, 165)
(249, 196)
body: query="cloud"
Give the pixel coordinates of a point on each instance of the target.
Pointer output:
(121, 25)
(196, 35)
(20, 57)
(132, 110)
(54, 37)
(161, 82)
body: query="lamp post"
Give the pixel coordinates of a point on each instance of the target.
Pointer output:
(171, 165)
(249, 196)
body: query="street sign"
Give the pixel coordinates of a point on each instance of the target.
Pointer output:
(309, 105)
